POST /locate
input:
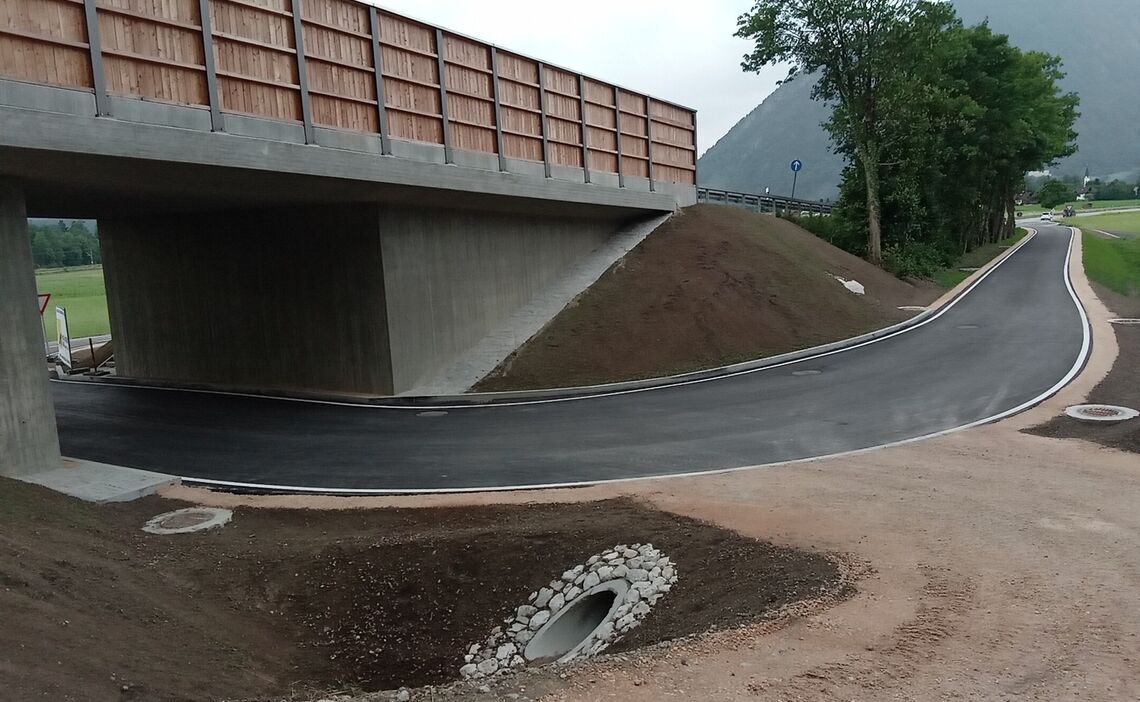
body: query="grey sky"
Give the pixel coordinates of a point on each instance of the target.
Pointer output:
(677, 50)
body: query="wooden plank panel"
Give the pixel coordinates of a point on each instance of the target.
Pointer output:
(672, 175)
(672, 156)
(599, 92)
(560, 81)
(632, 146)
(565, 155)
(471, 138)
(24, 58)
(632, 102)
(676, 136)
(632, 125)
(562, 131)
(634, 167)
(274, 92)
(414, 127)
(604, 139)
(465, 80)
(158, 79)
(522, 147)
(518, 68)
(405, 64)
(343, 114)
(562, 107)
(521, 122)
(600, 116)
(463, 51)
(350, 16)
(403, 32)
(672, 113)
(603, 162)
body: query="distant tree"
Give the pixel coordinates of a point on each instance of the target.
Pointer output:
(1054, 193)
(1116, 190)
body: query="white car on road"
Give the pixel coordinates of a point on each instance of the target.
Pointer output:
(1047, 217)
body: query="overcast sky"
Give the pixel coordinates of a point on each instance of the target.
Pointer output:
(682, 51)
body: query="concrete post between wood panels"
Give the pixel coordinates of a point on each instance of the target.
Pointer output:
(94, 45)
(28, 439)
(585, 129)
(442, 64)
(378, 69)
(216, 121)
(303, 73)
(498, 109)
(542, 109)
(617, 131)
(649, 138)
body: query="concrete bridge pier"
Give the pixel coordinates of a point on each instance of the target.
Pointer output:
(28, 439)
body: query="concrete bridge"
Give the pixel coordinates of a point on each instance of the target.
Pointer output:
(303, 193)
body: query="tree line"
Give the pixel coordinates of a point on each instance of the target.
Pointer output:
(939, 122)
(63, 244)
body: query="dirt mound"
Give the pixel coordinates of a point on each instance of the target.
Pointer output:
(283, 601)
(714, 285)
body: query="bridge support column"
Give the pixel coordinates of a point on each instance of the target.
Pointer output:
(28, 439)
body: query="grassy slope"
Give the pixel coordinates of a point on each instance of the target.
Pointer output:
(1122, 222)
(949, 277)
(1114, 263)
(81, 292)
(715, 285)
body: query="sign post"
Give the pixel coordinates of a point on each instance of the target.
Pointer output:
(64, 350)
(797, 166)
(42, 301)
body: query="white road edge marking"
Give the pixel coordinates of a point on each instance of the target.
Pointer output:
(575, 398)
(1082, 357)
(1101, 231)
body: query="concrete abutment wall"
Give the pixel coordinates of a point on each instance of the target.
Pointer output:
(28, 440)
(358, 298)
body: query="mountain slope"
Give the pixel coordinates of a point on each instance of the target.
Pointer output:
(712, 286)
(1099, 42)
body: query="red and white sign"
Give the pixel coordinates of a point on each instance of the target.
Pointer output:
(43, 300)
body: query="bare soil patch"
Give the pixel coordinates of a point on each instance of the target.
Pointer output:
(1120, 387)
(714, 285)
(287, 600)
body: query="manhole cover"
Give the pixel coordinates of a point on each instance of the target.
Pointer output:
(1101, 413)
(432, 413)
(1125, 321)
(807, 372)
(184, 521)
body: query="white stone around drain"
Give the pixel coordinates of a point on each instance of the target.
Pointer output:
(597, 602)
(190, 519)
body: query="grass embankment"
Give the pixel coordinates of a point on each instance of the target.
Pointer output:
(1114, 263)
(949, 277)
(1123, 222)
(1079, 206)
(82, 293)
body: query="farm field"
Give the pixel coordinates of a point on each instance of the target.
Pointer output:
(82, 293)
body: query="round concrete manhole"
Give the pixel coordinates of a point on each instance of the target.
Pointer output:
(912, 308)
(432, 413)
(184, 521)
(1101, 413)
(589, 608)
(810, 371)
(1125, 321)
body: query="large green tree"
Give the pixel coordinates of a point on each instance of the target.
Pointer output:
(856, 48)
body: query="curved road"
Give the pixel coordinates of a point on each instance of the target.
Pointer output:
(1013, 339)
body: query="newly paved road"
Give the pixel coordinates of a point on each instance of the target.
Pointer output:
(1006, 343)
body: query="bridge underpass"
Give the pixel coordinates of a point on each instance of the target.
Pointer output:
(333, 198)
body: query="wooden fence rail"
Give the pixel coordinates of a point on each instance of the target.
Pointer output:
(347, 65)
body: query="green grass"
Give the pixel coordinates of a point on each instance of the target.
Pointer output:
(1079, 206)
(1122, 222)
(1114, 263)
(949, 277)
(81, 292)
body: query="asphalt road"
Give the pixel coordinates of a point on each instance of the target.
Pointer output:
(1010, 341)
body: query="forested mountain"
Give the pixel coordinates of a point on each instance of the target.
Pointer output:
(1099, 42)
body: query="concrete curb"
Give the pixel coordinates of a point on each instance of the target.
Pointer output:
(581, 392)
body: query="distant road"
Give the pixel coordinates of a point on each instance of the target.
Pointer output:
(1008, 343)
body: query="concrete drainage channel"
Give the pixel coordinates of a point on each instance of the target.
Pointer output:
(1101, 413)
(1125, 321)
(185, 521)
(591, 607)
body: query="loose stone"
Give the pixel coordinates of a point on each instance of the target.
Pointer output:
(621, 571)
(573, 592)
(543, 597)
(468, 670)
(488, 666)
(629, 553)
(604, 573)
(637, 575)
(539, 619)
(507, 650)
(557, 602)
(526, 611)
(623, 623)
(592, 580)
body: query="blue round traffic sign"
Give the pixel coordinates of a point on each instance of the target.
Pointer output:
(797, 165)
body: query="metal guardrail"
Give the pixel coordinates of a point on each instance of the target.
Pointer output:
(762, 203)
